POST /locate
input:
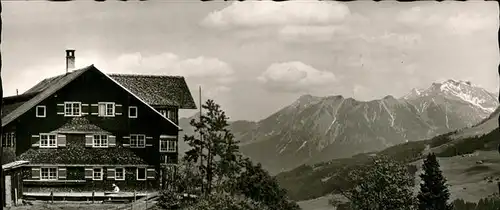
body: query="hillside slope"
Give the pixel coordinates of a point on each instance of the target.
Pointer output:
(315, 129)
(313, 181)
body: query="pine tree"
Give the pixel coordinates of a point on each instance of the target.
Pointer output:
(217, 147)
(227, 178)
(433, 193)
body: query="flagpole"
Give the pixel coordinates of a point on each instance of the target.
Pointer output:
(201, 139)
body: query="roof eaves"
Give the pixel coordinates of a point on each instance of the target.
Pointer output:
(15, 164)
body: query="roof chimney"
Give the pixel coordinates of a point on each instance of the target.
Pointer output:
(70, 60)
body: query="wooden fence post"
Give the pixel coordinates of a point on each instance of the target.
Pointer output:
(135, 196)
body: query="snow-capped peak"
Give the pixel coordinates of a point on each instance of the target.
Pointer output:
(457, 82)
(414, 93)
(461, 90)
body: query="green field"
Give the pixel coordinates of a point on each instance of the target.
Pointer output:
(467, 179)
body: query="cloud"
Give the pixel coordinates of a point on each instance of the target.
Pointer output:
(266, 13)
(299, 33)
(290, 20)
(391, 39)
(466, 23)
(458, 22)
(171, 64)
(295, 76)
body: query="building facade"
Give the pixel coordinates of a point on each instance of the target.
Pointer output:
(85, 130)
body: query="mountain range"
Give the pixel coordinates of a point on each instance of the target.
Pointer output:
(314, 129)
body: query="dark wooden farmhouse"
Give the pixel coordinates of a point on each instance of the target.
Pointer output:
(85, 130)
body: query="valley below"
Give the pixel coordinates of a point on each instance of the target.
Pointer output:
(314, 142)
(468, 180)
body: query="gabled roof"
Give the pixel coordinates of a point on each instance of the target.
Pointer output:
(158, 90)
(80, 125)
(46, 92)
(50, 86)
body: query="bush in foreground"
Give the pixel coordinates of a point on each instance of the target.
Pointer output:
(383, 185)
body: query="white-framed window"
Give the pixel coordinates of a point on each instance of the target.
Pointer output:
(119, 174)
(41, 111)
(48, 140)
(48, 173)
(168, 144)
(137, 140)
(97, 174)
(132, 112)
(100, 140)
(8, 138)
(141, 173)
(107, 109)
(72, 109)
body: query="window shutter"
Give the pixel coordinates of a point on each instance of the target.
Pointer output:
(94, 109)
(112, 141)
(126, 141)
(101, 109)
(118, 109)
(61, 140)
(88, 140)
(111, 173)
(35, 173)
(60, 109)
(150, 173)
(85, 109)
(149, 141)
(62, 173)
(35, 140)
(88, 173)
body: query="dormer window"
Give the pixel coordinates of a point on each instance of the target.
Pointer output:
(100, 141)
(72, 109)
(106, 109)
(132, 112)
(49, 173)
(41, 111)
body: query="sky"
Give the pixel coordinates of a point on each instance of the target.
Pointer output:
(255, 57)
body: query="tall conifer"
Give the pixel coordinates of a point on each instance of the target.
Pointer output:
(434, 192)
